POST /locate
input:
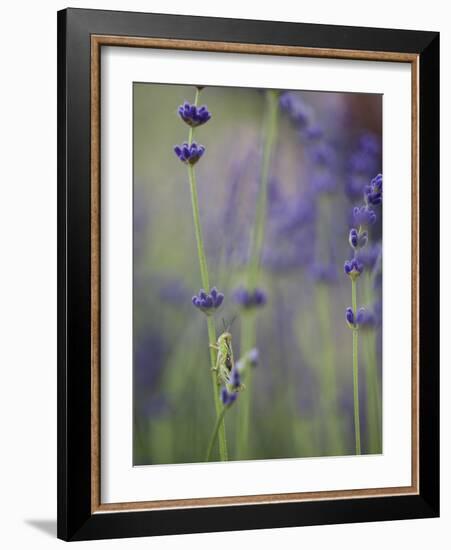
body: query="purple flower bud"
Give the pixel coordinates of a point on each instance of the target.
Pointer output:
(373, 191)
(354, 238)
(224, 396)
(194, 116)
(353, 268)
(227, 397)
(364, 318)
(235, 378)
(189, 154)
(350, 317)
(208, 303)
(357, 240)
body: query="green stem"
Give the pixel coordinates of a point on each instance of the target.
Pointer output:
(206, 284)
(247, 343)
(328, 373)
(355, 367)
(214, 435)
(372, 379)
(198, 231)
(191, 129)
(258, 233)
(373, 395)
(248, 335)
(223, 453)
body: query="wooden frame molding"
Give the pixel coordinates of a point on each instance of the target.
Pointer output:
(97, 41)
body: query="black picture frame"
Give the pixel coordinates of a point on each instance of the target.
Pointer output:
(76, 521)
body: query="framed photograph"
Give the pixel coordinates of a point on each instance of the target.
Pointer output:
(248, 274)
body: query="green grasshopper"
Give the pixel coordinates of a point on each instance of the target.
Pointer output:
(224, 360)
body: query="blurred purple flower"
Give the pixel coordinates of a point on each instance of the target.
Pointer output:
(296, 109)
(373, 191)
(323, 154)
(324, 273)
(250, 299)
(313, 132)
(370, 255)
(253, 356)
(173, 291)
(363, 216)
(235, 378)
(366, 318)
(354, 321)
(363, 163)
(228, 398)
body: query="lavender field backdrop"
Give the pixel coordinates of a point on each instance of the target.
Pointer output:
(265, 225)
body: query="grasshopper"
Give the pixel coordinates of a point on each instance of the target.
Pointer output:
(224, 361)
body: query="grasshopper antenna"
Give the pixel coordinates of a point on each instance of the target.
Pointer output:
(231, 323)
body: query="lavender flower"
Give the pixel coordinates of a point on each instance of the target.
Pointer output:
(323, 154)
(357, 240)
(323, 273)
(353, 268)
(228, 398)
(373, 191)
(297, 110)
(370, 256)
(208, 302)
(363, 216)
(364, 162)
(323, 172)
(235, 379)
(370, 143)
(253, 356)
(194, 116)
(366, 318)
(250, 299)
(349, 316)
(189, 154)
(313, 132)
(354, 321)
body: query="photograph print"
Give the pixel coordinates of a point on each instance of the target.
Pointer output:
(257, 274)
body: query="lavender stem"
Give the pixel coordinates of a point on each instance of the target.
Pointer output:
(206, 284)
(355, 368)
(248, 336)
